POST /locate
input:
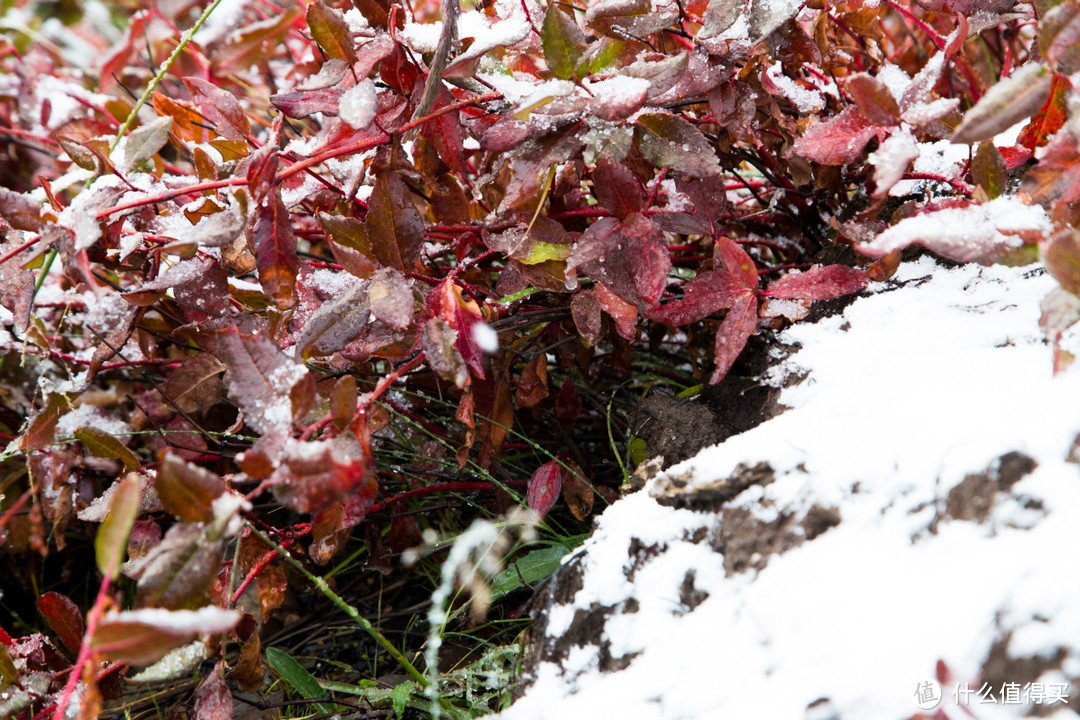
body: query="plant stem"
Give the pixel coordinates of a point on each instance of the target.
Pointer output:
(321, 585)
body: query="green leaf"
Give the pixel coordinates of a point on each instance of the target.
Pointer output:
(103, 445)
(297, 677)
(530, 568)
(988, 169)
(400, 696)
(563, 42)
(111, 541)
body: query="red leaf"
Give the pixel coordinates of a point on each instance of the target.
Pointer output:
(837, 141)
(314, 475)
(741, 267)
(213, 701)
(623, 313)
(1050, 117)
(394, 226)
(448, 302)
(21, 211)
(545, 486)
(220, 107)
(64, 618)
(532, 386)
(1061, 256)
(1059, 36)
(616, 188)
(630, 257)
(262, 172)
(1057, 176)
(444, 132)
(731, 338)
(874, 99)
(259, 377)
(707, 293)
(821, 282)
(275, 252)
(585, 310)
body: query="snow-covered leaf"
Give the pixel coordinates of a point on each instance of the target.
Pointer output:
(1006, 103)
(140, 637)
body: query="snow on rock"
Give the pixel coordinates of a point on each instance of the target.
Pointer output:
(908, 519)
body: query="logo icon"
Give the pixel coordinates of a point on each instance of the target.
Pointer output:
(927, 694)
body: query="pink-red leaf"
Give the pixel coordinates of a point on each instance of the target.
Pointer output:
(259, 377)
(739, 265)
(709, 292)
(220, 107)
(275, 252)
(616, 188)
(731, 338)
(394, 226)
(874, 99)
(213, 701)
(64, 618)
(314, 475)
(623, 313)
(837, 141)
(1059, 37)
(544, 487)
(821, 282)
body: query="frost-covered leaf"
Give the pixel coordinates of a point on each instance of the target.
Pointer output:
(213, 701)
(821, 282)
(1009, 101)
(335, 323)
(391, 298)
(719, 16)
(630, 18)
(271, 236)
(837, 141)
(145, 141)
(357, 105)
(1059, 37)
(394, 226)
(891, 160)
(669, 141)
(768, 15)
(21, 211)
(563, 42)
(259, 377)
(731, 337)
(439, 342)
(179, 571)
(186, 490)
(139, 637)
(975, 233)
(544, 487)
(315, 474)
(873, 99)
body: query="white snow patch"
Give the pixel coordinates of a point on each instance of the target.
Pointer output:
(485, 337)
(912, 389)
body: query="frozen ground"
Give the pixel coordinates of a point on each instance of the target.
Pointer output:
(915, 520)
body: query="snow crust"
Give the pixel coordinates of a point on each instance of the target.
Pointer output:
(911, 390)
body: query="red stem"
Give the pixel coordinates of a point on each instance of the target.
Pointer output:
(92, 619)
(258, 568)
